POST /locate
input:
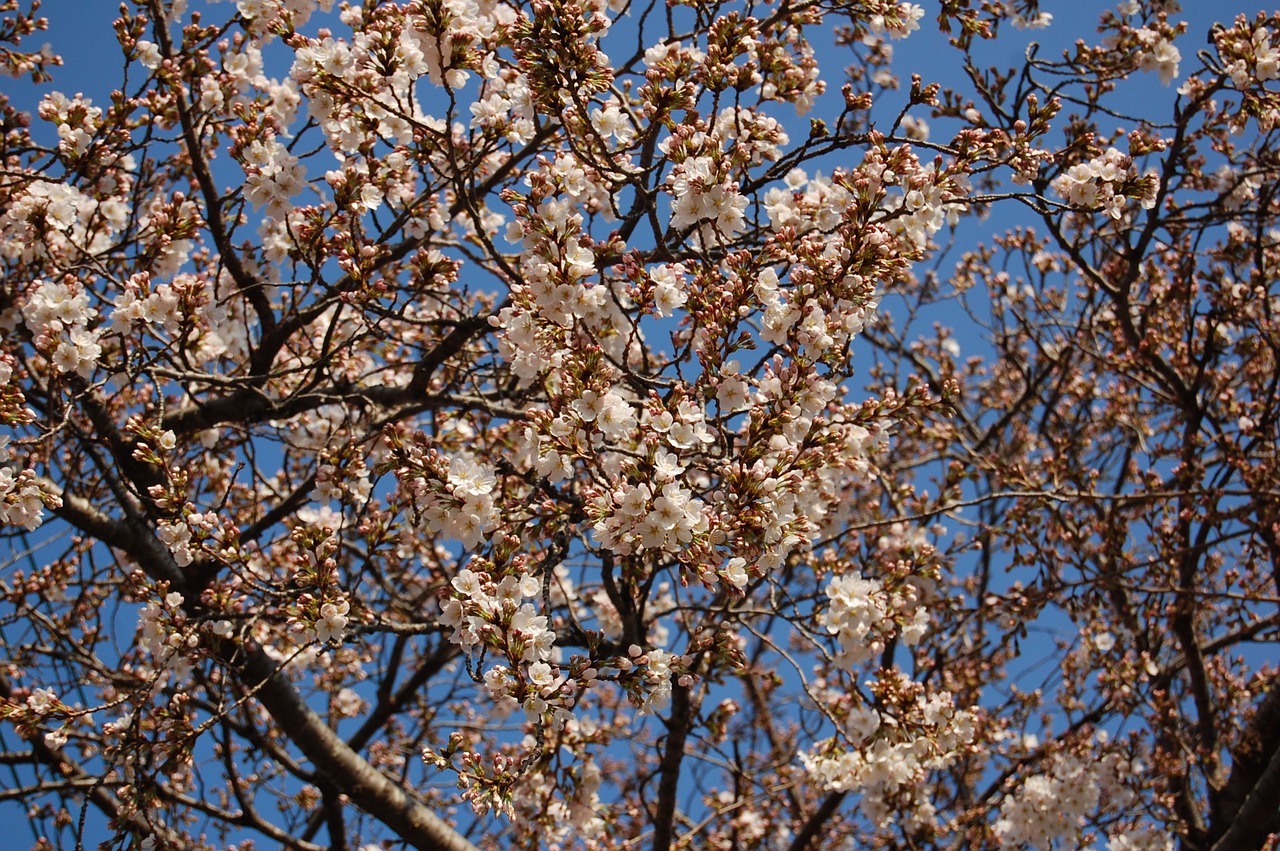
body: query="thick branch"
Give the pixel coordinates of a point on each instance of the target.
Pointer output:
(367, 787)
(1247, 805)
(388, 706)
(678, 726)
(252, 405)
(1258, 818)
(814, 823)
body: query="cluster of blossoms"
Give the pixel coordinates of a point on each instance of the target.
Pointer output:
(1150, 47)
(166, 227)
(322, 611)
(658, 668)
(884, 750)
(787, 496)
(331, 625)
(1238, 189)
(790, 315)
(77, 120)
(1143, 838)
(930, 200)
(573, 815)
(43, 701)
(186, 306)
(41, 706)
(1037, 21)
(1050, 806)
(22, 499)
(451, 496)
(484, 613)
(608, 413)
(509, 109)
(344, 479)
(806, 203)
(388, 54)
(863, 614)
(559, 303)
(160, 307)
(894, 19)
(162, 637)
(753, 137)
(890, 741)
(53, 219)
(1251, 53)
(274, 177)
(879, 227)
(1107, 182)
(192, 529)
(704, 197)
(58, 316)
(640, 515)
(669, 282)
(184, 530)
(1158, 54)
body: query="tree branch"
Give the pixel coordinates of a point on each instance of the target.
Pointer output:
(367, 787)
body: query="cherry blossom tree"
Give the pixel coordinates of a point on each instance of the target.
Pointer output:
(461, 424)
